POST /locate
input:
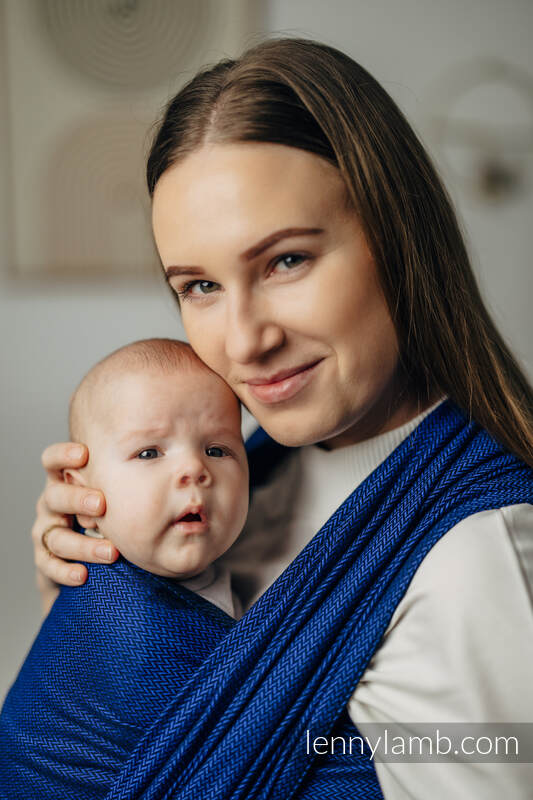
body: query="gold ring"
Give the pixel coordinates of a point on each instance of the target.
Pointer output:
(45, 534)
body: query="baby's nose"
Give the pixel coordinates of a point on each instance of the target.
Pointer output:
(193, 473)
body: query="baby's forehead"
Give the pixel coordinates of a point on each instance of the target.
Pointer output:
(129, 371)
(189, 391)
(113, 376)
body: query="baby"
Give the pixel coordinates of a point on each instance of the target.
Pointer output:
(165, 447)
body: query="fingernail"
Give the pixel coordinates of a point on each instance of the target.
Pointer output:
(76, 575)
(104, 551)
(75, 451)
(92, 502)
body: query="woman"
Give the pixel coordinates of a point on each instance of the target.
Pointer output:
(320, 271)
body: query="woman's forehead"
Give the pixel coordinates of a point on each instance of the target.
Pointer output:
(242, 193)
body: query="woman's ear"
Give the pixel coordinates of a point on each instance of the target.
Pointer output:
(74, 476)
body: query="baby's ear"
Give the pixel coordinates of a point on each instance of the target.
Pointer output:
(74, 476)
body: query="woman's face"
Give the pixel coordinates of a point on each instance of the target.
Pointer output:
(279, 292)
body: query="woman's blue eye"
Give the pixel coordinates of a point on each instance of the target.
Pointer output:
(149, 453)
(286, 260)
(206, 287)
(215, 452)
(197, 288)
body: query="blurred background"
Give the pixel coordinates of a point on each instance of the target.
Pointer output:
(81, 83)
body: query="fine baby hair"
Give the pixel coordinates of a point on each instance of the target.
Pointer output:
(161, 354)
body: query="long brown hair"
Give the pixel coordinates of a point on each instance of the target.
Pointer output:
(308, 95)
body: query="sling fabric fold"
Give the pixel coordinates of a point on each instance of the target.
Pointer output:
(108, 658)
(137, 688)
(239, 726)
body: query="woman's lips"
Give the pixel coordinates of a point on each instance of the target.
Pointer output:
(282, 386)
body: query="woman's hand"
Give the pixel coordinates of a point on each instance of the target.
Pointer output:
(55, 510)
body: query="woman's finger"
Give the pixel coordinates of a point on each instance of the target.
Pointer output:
(58, 571)
(58, 457)
(64, 543)
(67, 498)
(86, 522)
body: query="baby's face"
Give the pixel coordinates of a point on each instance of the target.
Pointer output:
(167, 452)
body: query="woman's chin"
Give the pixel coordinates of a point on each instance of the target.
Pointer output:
(295, 432)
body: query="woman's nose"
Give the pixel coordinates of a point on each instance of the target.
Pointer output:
(251, 331)
(193, 473)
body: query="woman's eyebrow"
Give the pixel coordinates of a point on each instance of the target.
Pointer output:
(251, 252)
(277, 236)
(171, 271)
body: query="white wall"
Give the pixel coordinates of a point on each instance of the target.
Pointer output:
(50, 334)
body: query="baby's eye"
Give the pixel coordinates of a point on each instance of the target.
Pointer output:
(216, 452)
(149, 453)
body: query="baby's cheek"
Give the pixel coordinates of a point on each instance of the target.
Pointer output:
(123, 520)
(236, 502)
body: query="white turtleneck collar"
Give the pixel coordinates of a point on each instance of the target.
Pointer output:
(329, 476)
(302, 494)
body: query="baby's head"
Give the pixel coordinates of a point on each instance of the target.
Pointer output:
(165, 447)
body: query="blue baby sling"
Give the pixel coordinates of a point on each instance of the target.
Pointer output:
(227, 708)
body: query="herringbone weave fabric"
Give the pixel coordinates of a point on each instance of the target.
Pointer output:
(200, 707)
(107, 660)
(238, 729)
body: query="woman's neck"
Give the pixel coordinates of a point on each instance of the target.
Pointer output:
(382, 417)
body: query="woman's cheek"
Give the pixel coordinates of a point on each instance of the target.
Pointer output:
(208, 341)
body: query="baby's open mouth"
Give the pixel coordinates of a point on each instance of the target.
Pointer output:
(190, 517)
(192, 520)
